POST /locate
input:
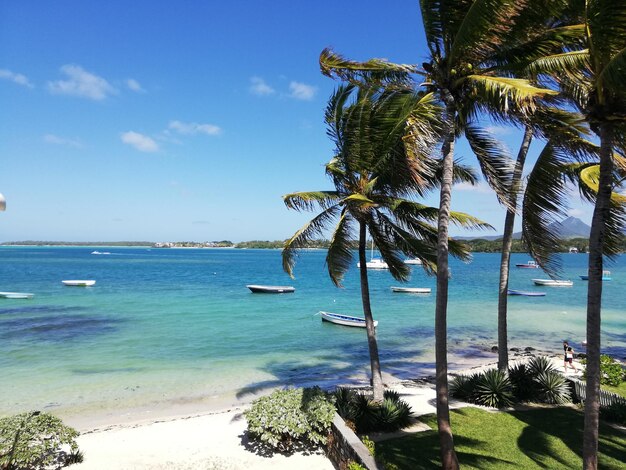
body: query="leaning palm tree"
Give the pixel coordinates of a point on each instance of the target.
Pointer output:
(593, 78)
(381, 164)
(463, 37)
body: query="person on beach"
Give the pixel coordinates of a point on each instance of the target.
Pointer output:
(569, 359)
(565, 346)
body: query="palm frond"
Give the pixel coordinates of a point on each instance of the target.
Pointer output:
(484, 28)
(463, 220)
(544, 204)
(339, 255)
(495, 163)
(566, 63)
(374, 72)
(502, 94)
(613, 75)
(606, 21)
(307, 200)
(313, 229)
(381, 229)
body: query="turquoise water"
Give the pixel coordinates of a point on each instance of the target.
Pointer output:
(167, 326)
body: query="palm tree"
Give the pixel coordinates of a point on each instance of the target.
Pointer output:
(463, 38)
(593, 78)
(382, 140)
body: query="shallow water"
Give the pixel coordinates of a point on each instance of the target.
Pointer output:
(169, 326)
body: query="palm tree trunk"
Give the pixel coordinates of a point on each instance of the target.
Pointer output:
(594, 298)
(377, 379)
(449, 459)
(507, 241)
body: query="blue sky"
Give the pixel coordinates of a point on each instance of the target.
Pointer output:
(163, 120)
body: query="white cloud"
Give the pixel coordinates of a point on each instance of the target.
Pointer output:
(191, 128)
(481, 188)
(81, 83)
(499, 130)
(141, 142)
(576, 213)
(301, 91)
(259, 87)
(134, 85)
(56, 140)
(15, 78)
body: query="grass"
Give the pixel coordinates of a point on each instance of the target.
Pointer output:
(620, 389)
(546, 438)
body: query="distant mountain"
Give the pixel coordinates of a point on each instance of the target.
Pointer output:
(571, 227)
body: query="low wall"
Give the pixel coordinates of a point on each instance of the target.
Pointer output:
(344, 446)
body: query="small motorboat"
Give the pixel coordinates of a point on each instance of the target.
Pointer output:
(79, 283)
(411, 290)
(100, 252)
(528, 265)
(257, 289)
(345, 320)
(525, 293)
(375, 263)
(16, 295)
(606, 276)
(416, 261)
(553, 283)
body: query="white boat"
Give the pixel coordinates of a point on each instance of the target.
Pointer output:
(16, 295)
(413, 261)
(100, 252)
(553, 282)
(79, 283)
(257, 289)
(374, 263)
(412, 290)
(525, 293)
(345, 320)
(528, 265)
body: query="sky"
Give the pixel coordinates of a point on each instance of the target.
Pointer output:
(185, 121)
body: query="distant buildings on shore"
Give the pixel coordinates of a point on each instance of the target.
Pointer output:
(222, 244)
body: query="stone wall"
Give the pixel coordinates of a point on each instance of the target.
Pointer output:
(344, 446)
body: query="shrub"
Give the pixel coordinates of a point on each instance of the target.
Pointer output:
(291, 419)
(553, 388)
(352, 465)
(524, 387)
(494, 389)
(389, 415)
(538, 365)
(36, 440)
(611, 372)
(616, 412)
(463, 387)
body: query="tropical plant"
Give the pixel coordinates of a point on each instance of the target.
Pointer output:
(36, 440)
(463, 39)
(593, 79)
(611, 372)
(525, 389)
(390, 414)
(382, 140)
(290, 419)
(553, 388)
(463, 387)
(494, 389)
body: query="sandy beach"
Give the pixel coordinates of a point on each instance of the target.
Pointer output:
(217, 440)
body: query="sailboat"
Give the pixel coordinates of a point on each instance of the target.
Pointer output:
(374, 263)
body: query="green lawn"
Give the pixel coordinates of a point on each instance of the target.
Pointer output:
(620, 389)
(547, 438)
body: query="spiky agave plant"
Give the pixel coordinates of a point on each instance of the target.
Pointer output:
(553, 388)
(494, 389)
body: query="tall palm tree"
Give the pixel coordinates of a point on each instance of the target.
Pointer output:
(382, 141)
(463, 37)
(593, 78)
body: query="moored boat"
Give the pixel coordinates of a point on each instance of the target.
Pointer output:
(525, 293)
(258, 289)
(79, 283)
(416, 261)
(606, 276)
(374, 263)
(553, 282)
(345, 320)
(412, 290)
(528, 265)
(16, 295)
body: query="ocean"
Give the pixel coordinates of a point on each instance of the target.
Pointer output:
(167, 329)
